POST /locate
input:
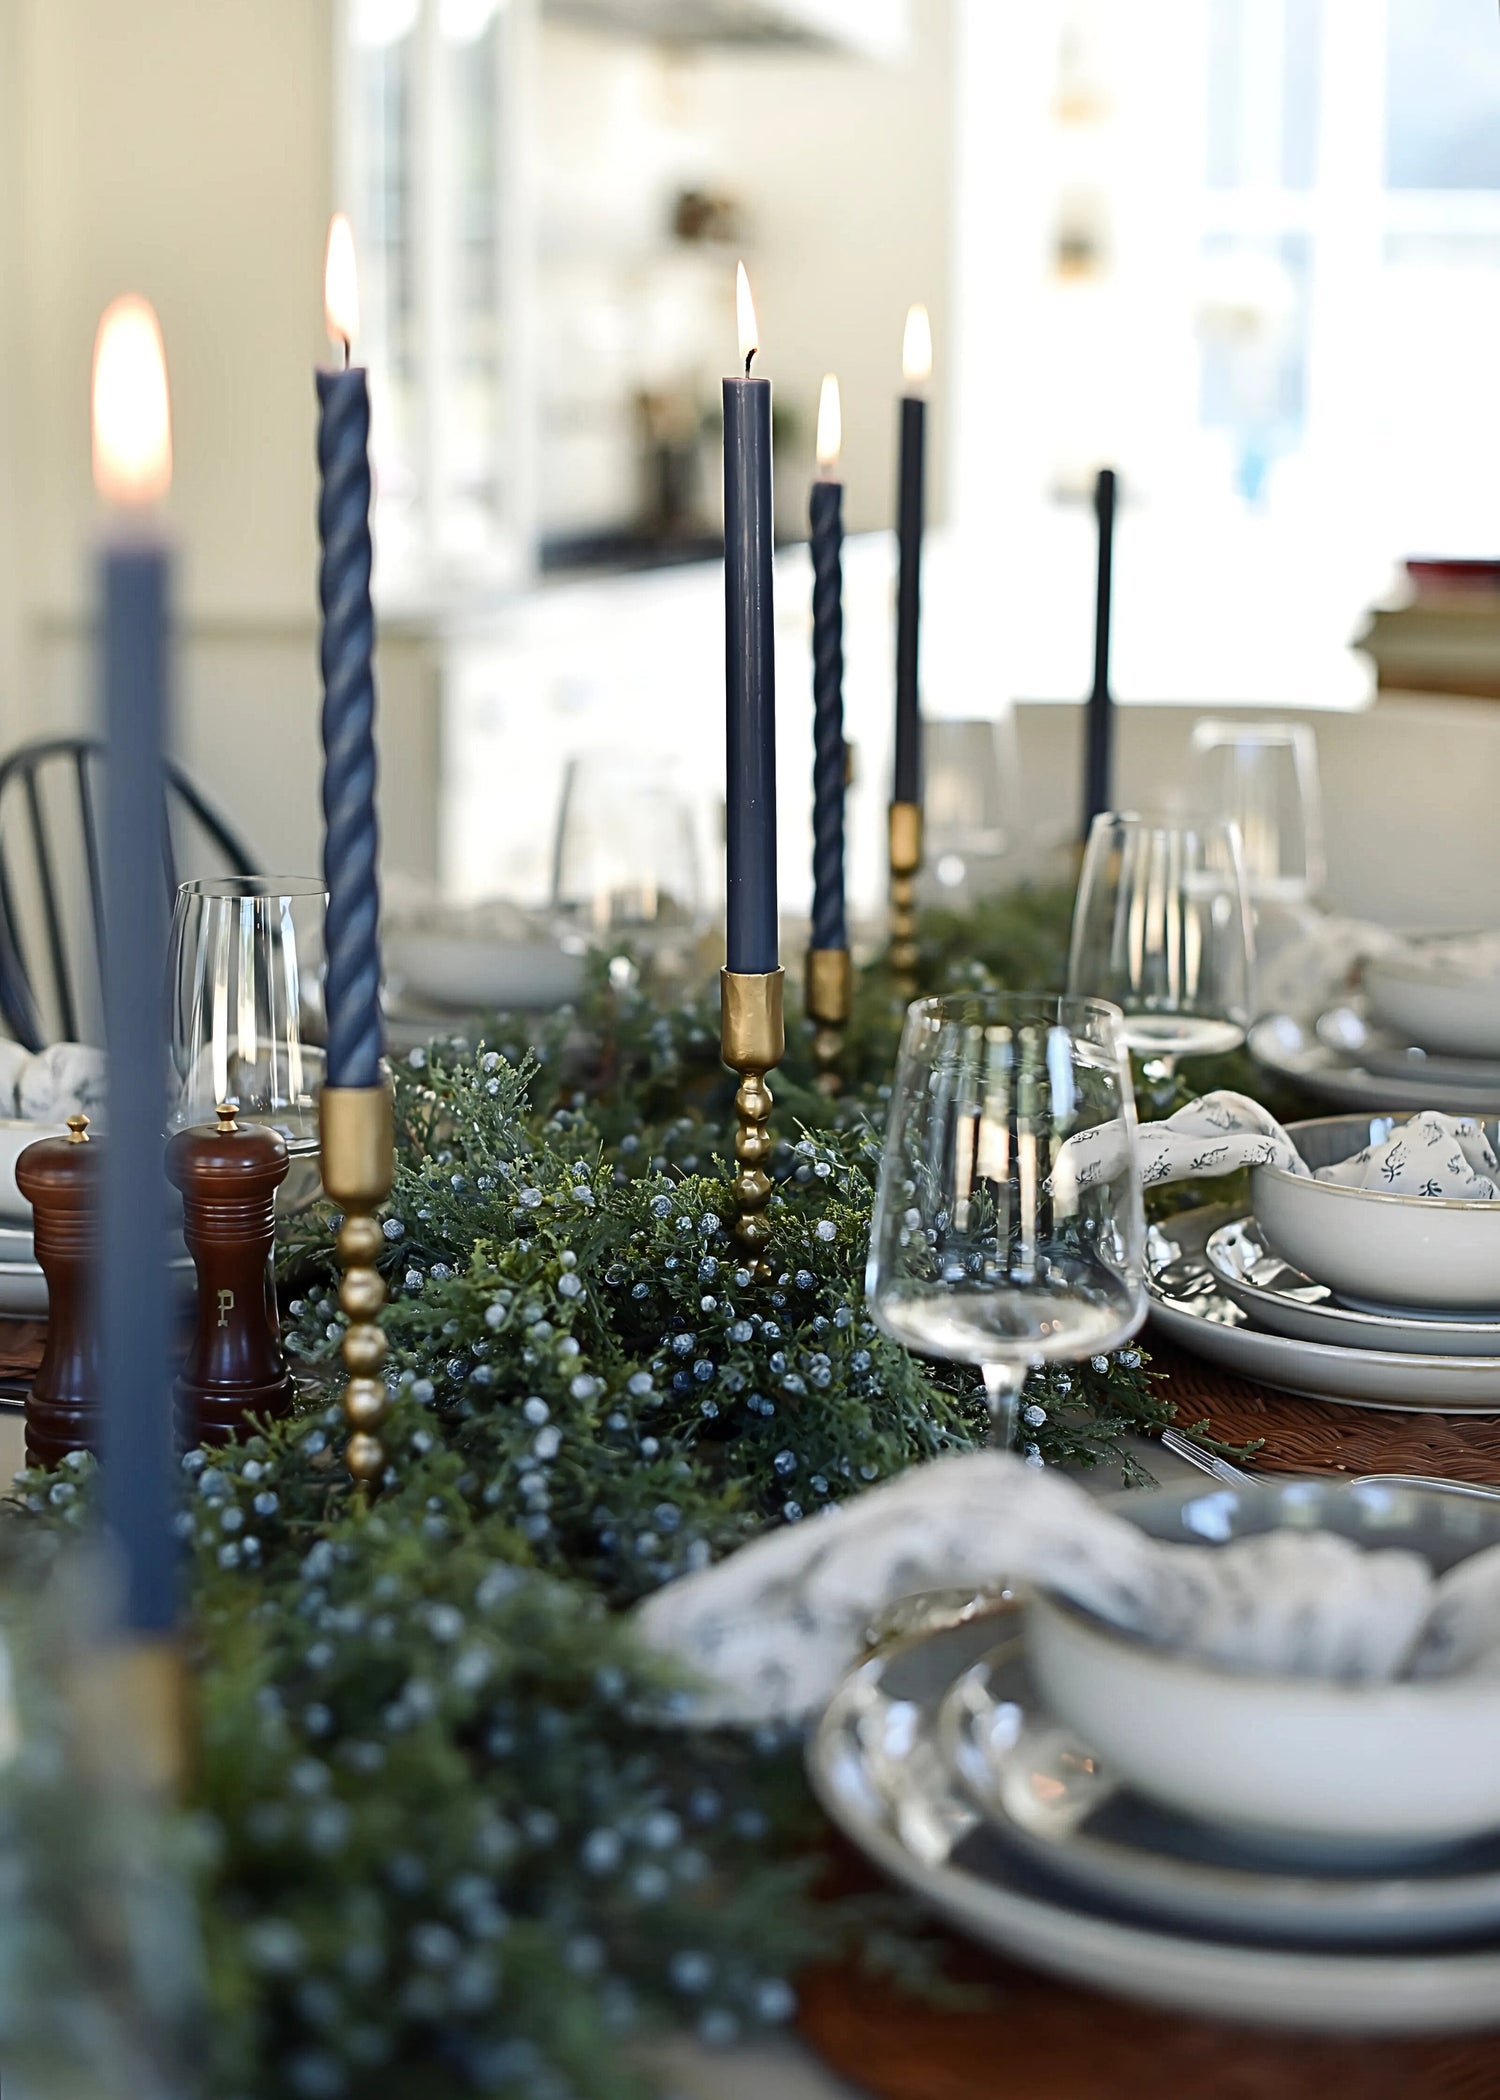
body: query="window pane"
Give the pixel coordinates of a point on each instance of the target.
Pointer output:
(1263, 84)
(1443, 95)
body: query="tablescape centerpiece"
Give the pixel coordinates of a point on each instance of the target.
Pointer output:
(829, 977)
(354, 1106)
(753, 1034)
(906, 786)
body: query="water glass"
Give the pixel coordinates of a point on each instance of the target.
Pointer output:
(242, 960)
(1008, 1227)
(1264, 775)
(970, 796)
(1161, 926)
(625, 857)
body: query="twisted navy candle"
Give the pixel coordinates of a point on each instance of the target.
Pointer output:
(351, 838)
(829, 927)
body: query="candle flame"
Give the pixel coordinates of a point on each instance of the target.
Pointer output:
(341, 284)
(830, 425)
(744, 307)
(132, 414)
(916, 348)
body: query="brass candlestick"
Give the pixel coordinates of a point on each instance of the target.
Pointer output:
(752, 1037)
(827, 991)
(358, 1138)
(906, 859)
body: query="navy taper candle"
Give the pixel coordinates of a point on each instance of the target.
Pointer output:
(132, 467)
(1099, 728)
(916, 360)
(350, 834)
(751, 933)
(829, 925)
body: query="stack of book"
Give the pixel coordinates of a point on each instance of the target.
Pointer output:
(1446, 637)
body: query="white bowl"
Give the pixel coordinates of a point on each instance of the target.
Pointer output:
(1442, 994)
(473, 974)
(1347, 1770)
(1436, 1253)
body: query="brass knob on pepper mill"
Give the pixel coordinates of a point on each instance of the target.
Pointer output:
(59, 1177)
(236, 1366)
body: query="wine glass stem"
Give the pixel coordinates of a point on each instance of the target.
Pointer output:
(1002, 1390)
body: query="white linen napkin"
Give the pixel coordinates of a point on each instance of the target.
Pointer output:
(1431, 1155)
(772, 1628)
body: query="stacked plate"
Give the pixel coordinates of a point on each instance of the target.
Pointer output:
(1424, 1034)
(1219, 1289)
(941, 1761)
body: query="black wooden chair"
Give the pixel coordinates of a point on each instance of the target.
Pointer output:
(51, 883)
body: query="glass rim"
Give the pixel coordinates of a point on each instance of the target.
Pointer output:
(1150, 819)
(956, 1005)
(234, 888)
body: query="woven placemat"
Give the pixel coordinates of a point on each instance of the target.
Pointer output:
(1032, 2038)
(1324, 1436)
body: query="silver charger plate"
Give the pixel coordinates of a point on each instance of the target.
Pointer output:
(876, 1766)
(1051, 1800)
(1281, 1298)
(1187, 1301)
(1283, 1045)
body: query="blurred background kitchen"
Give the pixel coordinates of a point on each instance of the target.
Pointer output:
(1247, 251)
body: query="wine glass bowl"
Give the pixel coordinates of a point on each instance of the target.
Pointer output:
(1162, 928)
(1264, 775)
(995, 1241)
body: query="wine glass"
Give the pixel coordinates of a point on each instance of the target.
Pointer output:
(1008, 1227)
(1161, 926)
(1265, 776)
(625, 859)
(241, 951)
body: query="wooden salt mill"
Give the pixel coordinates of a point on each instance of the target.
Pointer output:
(236, 1366)
(59, 1177)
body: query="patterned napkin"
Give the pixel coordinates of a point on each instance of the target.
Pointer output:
(1431, 1155)
(771, 1629)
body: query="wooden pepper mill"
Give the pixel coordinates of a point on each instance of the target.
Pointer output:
(236, 1366)
(59, 1177)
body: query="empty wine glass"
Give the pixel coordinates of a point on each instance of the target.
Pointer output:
(239, 953)
(1161, 926)
(1008, 1227)
(625, 860)
(1265, 776)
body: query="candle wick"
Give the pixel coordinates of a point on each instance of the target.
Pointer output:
(749, 360)
(346, 353)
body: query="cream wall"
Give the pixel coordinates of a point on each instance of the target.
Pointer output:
(182, 148)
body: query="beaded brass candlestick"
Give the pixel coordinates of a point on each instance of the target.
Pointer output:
(752, 1036)
(906, 860)
(357, 1132)
(827, 992)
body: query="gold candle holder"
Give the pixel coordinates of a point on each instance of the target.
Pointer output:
(906, 859)
(828, 992)
(133, 1703)
(358, 1139)
(752, 1035)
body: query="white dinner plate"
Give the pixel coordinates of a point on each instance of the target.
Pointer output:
(1284, 1046)
(876, 1767)
(1052, 1801)
(1188, 1302)
(1348, 1030)
(1279, 1297)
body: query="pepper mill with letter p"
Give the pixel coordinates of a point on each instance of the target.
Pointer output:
(236, 1367)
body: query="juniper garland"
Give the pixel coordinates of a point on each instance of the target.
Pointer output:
(444, 1839)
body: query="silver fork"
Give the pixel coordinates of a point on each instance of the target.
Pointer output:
(1235, 1476)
